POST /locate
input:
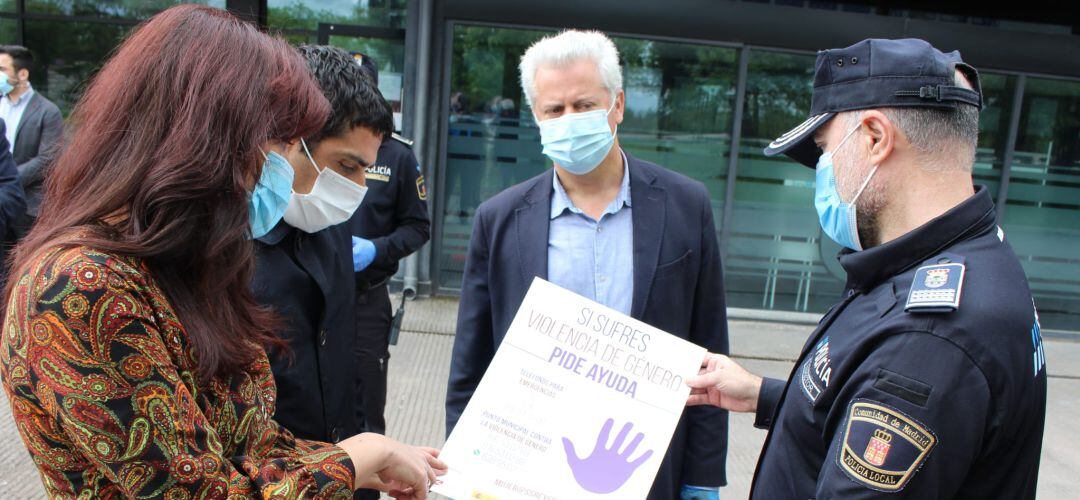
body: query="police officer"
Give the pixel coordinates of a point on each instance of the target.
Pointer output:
(391, 224)
(927, 379)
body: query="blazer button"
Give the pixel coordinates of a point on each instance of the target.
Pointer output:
(322, 337)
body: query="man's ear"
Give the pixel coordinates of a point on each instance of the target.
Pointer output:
(23, 74)
(620, 107)
(880, 137)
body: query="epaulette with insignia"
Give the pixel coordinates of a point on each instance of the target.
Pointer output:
(936, 286)
(401, 139)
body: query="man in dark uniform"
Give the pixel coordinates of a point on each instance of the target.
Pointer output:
(928, 378)
(391, 224)
(304, 264)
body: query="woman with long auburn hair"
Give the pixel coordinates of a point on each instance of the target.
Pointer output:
(133, 353)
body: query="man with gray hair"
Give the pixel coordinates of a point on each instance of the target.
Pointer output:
(908, 387)
(629, 234)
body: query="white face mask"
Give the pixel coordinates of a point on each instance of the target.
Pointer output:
(332, 200)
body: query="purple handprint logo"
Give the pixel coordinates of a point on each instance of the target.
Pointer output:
(606, 469)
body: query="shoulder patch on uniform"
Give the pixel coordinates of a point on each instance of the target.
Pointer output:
(935, 288)
(882, 447)
(401, 139)
(421, 188)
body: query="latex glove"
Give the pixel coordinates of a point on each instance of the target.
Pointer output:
(363, 253)
(699, 493)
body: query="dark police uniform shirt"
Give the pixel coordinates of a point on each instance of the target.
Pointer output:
(394, 215)
(307, 280)
(927, 380)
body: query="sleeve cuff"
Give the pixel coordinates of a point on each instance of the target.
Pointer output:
(768, 397)
(332, 471)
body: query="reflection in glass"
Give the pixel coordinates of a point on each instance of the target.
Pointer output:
(9, 31)
(389, 56)
(1042, 215)
(67, 54)
(679, 100)
(492, 142)
(777, 257)
(306, 15)
(993, 129)
(679, 104)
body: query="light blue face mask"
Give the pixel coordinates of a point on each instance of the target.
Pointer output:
(5, 86)
(271, 195)
(837, 218)
(578, 142)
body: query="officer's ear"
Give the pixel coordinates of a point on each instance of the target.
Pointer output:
(880, 135)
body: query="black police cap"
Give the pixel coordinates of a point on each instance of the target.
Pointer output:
(878, 73)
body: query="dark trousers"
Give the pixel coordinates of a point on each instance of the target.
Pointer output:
(373, 316)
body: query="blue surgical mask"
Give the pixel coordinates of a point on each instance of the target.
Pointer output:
(5, 86)
(578, 142)
(837, 218)
(271, 195)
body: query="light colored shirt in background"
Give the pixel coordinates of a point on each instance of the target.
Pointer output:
(12, 111)
(594, 259)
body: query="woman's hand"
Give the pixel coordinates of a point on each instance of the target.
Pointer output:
(403, 471)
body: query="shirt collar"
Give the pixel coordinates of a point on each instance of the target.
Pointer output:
(561, 202)
(25, 97)
(868, 268)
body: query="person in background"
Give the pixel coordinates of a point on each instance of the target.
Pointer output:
(12, 202)
(133, 352)
(34, 129)
(391, 224)
(928, 378)
(629, 234)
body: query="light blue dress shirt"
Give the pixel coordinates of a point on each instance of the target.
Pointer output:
(594, 259)
(12, 111)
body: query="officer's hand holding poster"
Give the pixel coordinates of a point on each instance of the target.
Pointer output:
(579, 402)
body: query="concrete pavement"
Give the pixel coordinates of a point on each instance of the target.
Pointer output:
(420, 363)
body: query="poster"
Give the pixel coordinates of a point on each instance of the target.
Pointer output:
(579, 402)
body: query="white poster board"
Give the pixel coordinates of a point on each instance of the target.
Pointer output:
(579, 402)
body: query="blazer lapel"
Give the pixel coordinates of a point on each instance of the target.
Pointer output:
(531, 221)
(33, 108)
(648, 213)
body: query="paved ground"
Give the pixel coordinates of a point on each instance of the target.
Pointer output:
(420, 365)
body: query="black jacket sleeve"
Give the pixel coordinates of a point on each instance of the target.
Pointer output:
(910, 422)
(705, 458)
(410, 214)
(474, 343)
(768, 397)
(12, 201)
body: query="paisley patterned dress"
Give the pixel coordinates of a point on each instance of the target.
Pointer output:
(101, 379)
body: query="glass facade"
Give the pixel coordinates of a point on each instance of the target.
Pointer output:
(681, 108)
(680, 112)
(776, 255)
(300, 22)
(1042, 211)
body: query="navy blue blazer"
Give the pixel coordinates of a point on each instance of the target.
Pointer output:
(678, 288)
